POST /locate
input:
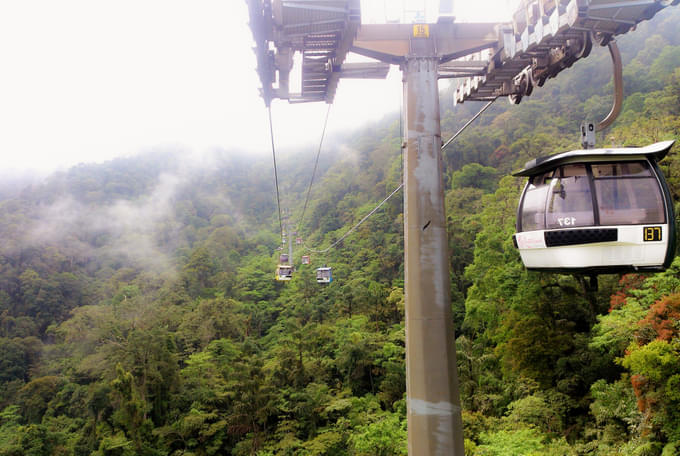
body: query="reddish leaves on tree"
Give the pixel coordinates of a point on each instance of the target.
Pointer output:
(628, 282)
(662, 321)
(639, 383)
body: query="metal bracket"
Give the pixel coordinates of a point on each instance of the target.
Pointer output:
(587, 135)
(618, 87)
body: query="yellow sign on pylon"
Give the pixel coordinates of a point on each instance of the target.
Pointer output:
(421, 30)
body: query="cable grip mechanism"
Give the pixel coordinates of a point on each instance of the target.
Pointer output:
(588, 129)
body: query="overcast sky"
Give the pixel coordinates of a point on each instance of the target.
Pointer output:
(89, 80)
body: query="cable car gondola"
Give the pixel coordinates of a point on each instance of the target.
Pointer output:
(305, 259)
(597, 211)
(283, 258)
(284, 272)
(324, 275)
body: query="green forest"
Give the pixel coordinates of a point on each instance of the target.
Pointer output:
(139, 314)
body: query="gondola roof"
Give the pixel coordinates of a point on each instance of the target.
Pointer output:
(654, 152)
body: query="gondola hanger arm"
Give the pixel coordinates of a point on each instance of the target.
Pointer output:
(617, 67)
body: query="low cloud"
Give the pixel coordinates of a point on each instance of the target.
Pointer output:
(125, 229)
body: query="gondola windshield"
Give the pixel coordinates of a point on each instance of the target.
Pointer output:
(625, 193)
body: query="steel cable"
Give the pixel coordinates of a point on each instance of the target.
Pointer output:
(316, 164)
(468, 123)
(351, 230)
(276, 173)
(358, 224)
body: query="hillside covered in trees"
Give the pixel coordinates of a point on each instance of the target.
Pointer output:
(139, 315)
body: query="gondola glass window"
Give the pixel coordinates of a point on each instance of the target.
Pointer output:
(627, 194)
(533, 214)
(571, 201)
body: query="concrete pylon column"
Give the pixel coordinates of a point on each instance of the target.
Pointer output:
(434, 415)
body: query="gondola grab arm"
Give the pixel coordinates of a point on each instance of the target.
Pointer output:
(618, 87)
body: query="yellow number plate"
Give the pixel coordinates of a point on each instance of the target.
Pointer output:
(651, 233)
(421, 31)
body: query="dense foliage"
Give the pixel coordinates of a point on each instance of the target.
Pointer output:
(139, 315)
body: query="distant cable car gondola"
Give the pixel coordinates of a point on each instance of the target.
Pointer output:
(324, 275)
(597, 211)
(305, 259)
(283, 258)
(284, 272)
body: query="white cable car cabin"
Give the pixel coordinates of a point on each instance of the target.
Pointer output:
(284, 272)
(597, 211)
(324, 275)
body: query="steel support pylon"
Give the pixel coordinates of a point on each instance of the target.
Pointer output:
(435, 425)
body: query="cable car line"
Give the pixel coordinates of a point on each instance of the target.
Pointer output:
(468, 123)
(401, 147)
(276, 173)
(316, 164)
(357, 225)
(288, 273)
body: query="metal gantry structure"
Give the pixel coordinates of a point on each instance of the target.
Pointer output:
(543, 38)
(322, 31)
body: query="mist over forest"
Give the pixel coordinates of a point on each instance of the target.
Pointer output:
(139, 314)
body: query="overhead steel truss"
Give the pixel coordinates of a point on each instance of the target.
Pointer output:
(495, 59)
(544, 38)
(322, 31)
